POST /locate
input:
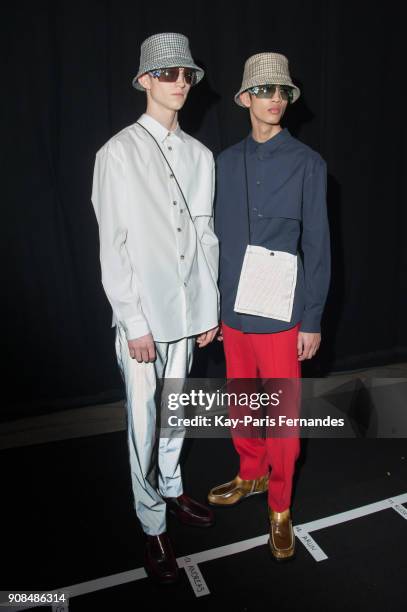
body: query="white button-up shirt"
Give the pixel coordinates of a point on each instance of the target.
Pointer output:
(159, 266)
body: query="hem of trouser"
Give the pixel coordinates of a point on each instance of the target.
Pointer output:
(255, 477)
(169, 493)
(278, 508)
(155, 534)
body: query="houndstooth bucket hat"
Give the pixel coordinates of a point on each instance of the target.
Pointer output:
(165, 50)
(266, 69)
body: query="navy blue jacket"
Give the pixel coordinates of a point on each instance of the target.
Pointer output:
(287, 195)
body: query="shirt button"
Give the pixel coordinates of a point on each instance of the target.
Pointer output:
(255, 209)
(175, 202)
(257, 182)
(178, 229)
(182, 257)
(169, 134)
(259, 215)
(185, 284)
(170, 148)
(181, 210)
(171, 176)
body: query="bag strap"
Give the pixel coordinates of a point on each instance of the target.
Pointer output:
(247, 190)
(169, 165)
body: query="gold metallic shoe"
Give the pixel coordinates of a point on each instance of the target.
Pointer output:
(231, 493)
(282, 538)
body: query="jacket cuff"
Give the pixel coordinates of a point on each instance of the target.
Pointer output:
(135, 327)
(310, 324)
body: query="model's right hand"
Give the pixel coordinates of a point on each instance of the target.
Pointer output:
(142, 349)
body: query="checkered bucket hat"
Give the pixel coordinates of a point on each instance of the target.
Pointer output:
(165, 50)
(266, 69)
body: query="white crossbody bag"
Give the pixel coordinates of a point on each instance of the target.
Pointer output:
(267, 279)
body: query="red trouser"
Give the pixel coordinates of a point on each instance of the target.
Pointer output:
(265, 356)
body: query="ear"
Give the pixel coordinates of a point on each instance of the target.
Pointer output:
(145, 81)
(245, 99)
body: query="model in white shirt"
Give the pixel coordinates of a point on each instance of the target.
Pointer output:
(159, 263)
(159, 269)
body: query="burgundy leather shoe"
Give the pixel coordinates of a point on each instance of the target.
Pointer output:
(190, 512)
(159, 559)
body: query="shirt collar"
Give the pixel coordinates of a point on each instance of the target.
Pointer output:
(158, 130)
(270, 145)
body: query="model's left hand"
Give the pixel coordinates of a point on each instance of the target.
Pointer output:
(307, 345)
(207, 337)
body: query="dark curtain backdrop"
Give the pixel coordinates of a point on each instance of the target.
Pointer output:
(66, 88)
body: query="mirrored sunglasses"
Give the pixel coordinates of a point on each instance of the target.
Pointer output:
(268, 91)
(170, 75)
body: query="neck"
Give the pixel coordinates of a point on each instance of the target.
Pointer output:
(168, 118)
(261, 132)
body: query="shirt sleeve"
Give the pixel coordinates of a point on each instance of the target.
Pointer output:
(205, 228)
(315, 243)
(118, 279)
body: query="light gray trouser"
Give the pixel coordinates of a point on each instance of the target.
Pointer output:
(155, 472)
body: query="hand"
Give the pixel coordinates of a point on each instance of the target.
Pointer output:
(307, 345)
(142, 349)
(207, 337)
(220, 334)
